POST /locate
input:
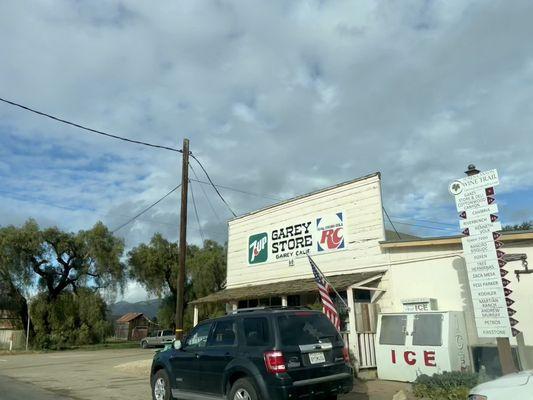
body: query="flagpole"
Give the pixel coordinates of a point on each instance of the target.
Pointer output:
(335, 290)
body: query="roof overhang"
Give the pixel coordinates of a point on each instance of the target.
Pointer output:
(284, 288)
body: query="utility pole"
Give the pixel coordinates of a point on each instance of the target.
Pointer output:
(180, 295)
(505, 352)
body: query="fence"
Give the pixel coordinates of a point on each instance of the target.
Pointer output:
(367, 349)
(17, 337)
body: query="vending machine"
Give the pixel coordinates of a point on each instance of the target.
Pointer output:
(410, 344)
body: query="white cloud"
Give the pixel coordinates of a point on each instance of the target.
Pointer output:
(277, 98)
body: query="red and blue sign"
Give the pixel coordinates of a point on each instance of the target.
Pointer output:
(330, 232)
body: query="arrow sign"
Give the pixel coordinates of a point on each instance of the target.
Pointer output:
(490, 200)
(507, 292)
(513, 321)
(509, 302)
(505, 282)
(496, 235)
(498, 244)
(515, 332)
(500, 253)
(511, 312)
(489, 191)
(466, 232)
(493, 218)
(462, 215)
(501, 262)
(503, 272)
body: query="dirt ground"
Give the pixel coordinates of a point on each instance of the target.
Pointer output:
(118, 375)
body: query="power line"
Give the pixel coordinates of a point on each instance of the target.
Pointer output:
(146, 209)
(212, 184)
(197, 217)
(64, 121)
(426, 220)
(205, 194)
(425, 226)
(269, 197)
(393, 227)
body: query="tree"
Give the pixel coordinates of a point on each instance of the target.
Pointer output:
(59, 264)
(155, 267)
(62, 260)
(524, 226)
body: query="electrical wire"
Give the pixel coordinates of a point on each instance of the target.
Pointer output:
(196, 213)
(425, 226)
(205, 194)
(265, 196)
(425, 220)
(145, 210)
(214, 186)
(393, 227)
(64, 121)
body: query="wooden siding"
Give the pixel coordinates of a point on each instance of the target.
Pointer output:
(363, 229)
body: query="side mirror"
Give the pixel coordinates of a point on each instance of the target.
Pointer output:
(177, 344)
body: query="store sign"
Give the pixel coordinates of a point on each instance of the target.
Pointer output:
(314, 235)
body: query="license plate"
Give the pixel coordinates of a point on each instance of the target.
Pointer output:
(316, 358)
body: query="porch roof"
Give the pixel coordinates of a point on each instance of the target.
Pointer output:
(283, 288)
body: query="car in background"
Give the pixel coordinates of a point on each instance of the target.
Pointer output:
(508, 387)
(158, 339)
(256, 354)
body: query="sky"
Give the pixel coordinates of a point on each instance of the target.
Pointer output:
(277, 98)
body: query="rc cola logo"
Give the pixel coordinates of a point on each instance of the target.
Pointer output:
(258, 248)
(330, 232)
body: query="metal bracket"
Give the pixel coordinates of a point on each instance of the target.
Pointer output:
(519, 257)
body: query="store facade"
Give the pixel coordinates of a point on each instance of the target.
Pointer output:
(342, 228)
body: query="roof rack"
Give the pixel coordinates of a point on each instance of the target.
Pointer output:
(268, 308)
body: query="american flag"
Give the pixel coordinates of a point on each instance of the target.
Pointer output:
(323, 288)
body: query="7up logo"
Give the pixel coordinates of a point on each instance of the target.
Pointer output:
(258, 248)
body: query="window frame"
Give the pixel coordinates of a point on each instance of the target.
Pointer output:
(405, 317)
(186, 346)
(211, 344)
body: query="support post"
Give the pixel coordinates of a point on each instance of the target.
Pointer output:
(28, 325)
(195, 318)
(506, 355)
(180, 295)
(284, 301)
(352, 334)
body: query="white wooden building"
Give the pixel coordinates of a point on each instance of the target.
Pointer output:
(342, 228)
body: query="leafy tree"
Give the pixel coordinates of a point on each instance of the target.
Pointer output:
(62, 260)
(63, 266)
(524, 226)
(155, 266)
(71, 319)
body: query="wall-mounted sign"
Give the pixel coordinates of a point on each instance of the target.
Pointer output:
(320, 234)
(419, 304)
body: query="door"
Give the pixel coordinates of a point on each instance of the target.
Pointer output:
(392, 354)
(185, 362)
(220, 350)
(427, 343)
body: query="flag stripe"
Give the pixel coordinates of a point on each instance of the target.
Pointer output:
(328, 306)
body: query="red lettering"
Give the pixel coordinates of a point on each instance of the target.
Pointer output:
(393, 355)
(407, 357)
(429, 358)
(332, 237)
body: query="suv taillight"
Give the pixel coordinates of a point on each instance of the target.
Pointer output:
(275, 362)
(346, 355)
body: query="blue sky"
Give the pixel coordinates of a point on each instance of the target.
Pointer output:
(278, 98)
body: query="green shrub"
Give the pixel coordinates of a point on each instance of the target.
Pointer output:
(445, 386)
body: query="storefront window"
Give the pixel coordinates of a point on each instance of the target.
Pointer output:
(393, 329)
(427, 330)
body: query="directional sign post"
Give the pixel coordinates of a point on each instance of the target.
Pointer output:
(476, 204)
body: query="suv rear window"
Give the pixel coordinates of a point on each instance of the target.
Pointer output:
(256, 331)
(306, 328)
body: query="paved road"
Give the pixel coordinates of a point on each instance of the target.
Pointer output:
(108, 375)
(11, 389)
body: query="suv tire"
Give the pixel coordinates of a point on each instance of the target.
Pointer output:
(144, 344)
(243, 389)
(161, 386)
